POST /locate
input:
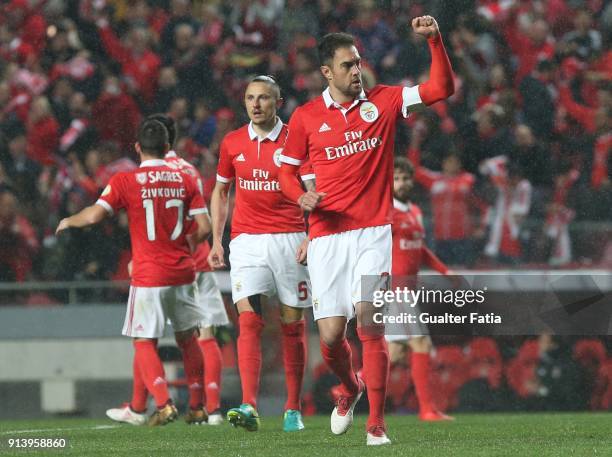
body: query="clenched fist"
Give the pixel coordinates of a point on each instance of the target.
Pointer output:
(425, 26)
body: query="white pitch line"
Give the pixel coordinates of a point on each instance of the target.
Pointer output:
(44, 430)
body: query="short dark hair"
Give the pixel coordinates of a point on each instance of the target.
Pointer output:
(403, 165)
(270, 80)
(332, 41)
(153, 138)
(168, 122)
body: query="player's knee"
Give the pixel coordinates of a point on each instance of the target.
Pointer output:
(183, 336)
(331, 336)
(251, 303)
(290, 314)
(397, 352)
(420, 344)
(206, 333)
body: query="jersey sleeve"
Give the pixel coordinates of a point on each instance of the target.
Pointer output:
(197, 205)
(225, 169)
(296, 146)
(404, 99)
(306, 171)
(112, 197)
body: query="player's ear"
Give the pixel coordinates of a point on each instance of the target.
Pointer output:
(279, 102)
(326, 71)
(138, 149)
(166, 148)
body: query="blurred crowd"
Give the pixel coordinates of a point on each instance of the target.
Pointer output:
(506, 169)
(486, 374)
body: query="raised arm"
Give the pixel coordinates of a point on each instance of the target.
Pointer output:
(440, 84)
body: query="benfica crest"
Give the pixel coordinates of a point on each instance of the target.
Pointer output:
(141, 178)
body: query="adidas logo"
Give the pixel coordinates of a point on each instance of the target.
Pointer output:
(324, 128)
(212, 385)
(159, 380)
(240, 158)
(139, 328)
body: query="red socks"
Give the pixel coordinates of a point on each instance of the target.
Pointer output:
(419, 365)
(375, 374)
(152, 370)
(213, 363)
(339, 359)
(294, 358)
(249, 355)
(192, 361)
(139, 391)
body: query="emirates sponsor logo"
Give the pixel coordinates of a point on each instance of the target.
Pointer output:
(324, 128)
(261, 182)
(354, 143)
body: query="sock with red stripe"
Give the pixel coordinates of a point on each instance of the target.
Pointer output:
(375, 374)
(194, 370)
(419, 365)
(139, 390)
(339, 359)
(152, 370)
(213, 363)
(249, 355)
(294, 358)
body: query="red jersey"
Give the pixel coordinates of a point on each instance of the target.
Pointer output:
(200, 256)
(409, 250)
(158, 200)
(254, 163)
(450, 199)
(351, 151)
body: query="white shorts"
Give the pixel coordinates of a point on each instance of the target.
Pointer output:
(337, 264)
(265, 264)
(149, 307)
(209, 299)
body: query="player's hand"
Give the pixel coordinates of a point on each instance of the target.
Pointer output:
(302, 252)
(425, 26)
(63, 225)
(310, 200)
(129, 268)
(216, 257)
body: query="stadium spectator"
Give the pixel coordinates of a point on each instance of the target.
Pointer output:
(43, 132)
(452, 202)
(507, 216)
(18, 239)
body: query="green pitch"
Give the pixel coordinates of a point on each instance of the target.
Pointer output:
(584, 434)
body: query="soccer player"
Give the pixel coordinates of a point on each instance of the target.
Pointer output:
(208, 297)
(409, 253)
(267, 231)
(157, 199)
(347, 134)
